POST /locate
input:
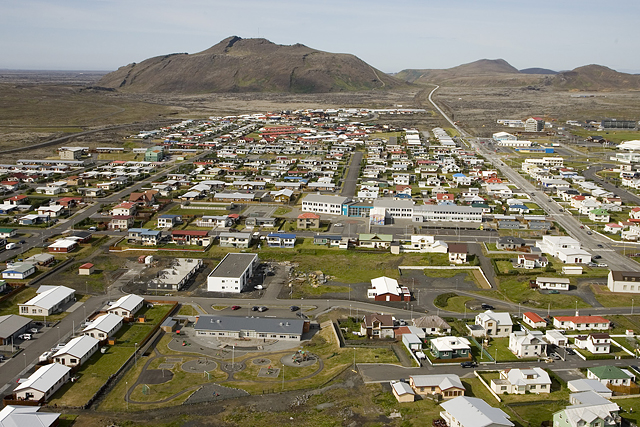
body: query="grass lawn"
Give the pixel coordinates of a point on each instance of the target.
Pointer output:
(609, 299)
(457, 303)
(627, 405)
(10, 306)
(516, 289)
(501, 346)
(92, 375)
(623, 322)
(308, 291)
(187, 310)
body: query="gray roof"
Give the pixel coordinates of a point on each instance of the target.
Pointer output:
(12, 323)
(445, 382)
(319, 198)
(50, 297)
(44, 378)
(474, 412)
(431, 321)
(127, 302)
(26, 416)
(233, 265)
(258, 324)
(78, 346)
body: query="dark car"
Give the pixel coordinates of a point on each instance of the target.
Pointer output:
(263, 308)
(294, 308)
(301, 315)
(235, 307)
(254, 308)
(600, 246)
(570, 351)
(468, 364)
(22, 242)
(596, 257)
(486, 306)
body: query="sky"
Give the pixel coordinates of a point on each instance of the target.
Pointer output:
(390, 35)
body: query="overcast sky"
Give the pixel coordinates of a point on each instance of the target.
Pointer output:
(391, 35)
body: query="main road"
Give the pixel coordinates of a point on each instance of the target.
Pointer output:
(590, 242)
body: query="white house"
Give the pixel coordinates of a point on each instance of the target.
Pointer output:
(581, 385)
(448, 386)
(387, 289)
(556, 337)
(49, 299)
(76, 351)
(19, 270)
(495, 324)
(594, 343)
(27, 416)
(554, 283)
(103, 327)
(608, 374)
(126, 306)
(464, 411)
(233, 273)
(581, 323)
(527, 343)
(519, 381)
(43, 382)
(624, 281)
(567, 249)
(534, 320)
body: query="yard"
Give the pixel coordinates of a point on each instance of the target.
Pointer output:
(499, 349)
(453, 302)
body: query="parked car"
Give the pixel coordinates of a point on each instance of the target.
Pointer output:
(259, 287)
(570, 351)
(556, 356)
(596, 257)
(93, 228)
(486, 306)
(294, 308)
(602, 265)
(600, 246)
(254, 308)
(235, 307)
(263, 308)
(11, 246)
(25, 336)
(589, 233)
(33, 330)
(554, 291)
(468, 364)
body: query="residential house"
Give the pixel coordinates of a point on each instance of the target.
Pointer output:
(553, 283)
(76, 351)
(126, 306)
(281, 240)
(432, 325)
(19, 270)
(599, 343)
(450, 347)
(387, 289)
(588, 409)
(43, 383)
(447, 386)
(48, 300)
(464, 411)
(377, 326)
(555, 337)
(494, 324)
(63, 246)
(329, 240)
(526, 343)
(567, 249)
(402, 391)
(11, 416)
(520, 381)
(103, 327)
(599, 215)
(124, 209)
(510, 243)
(581, 323)
(534, 320)
(375, 241)
(235, 240)
(168, 221)
(308, 220)
(190, 237)
(610, 375)
(458, 253)
(624, 281)
(530, 261)
(582, 385)
(121, 222)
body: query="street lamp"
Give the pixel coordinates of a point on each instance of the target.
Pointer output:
(58, 327)
(135, 354)
(354, 359)
(632, 306)
(283, 376)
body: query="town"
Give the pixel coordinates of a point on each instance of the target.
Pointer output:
(469, 281)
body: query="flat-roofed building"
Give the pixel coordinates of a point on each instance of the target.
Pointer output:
(233, 273)
(250, 327)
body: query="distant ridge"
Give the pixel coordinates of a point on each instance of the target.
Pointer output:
(250, 65)
(476, 68)
(538, 71)
(596, 77)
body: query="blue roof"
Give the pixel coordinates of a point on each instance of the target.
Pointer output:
(169, 216)
(138, 230)
(459, 175)
(151, 233)
(328, 237)
(283, 235)
(402, 196)
(518, 207)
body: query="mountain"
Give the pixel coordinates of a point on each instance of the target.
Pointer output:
(596, 77)
(250, 65)
(473, 69)
(537, 71)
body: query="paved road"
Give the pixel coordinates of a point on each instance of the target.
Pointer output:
(625, 195)
(349, 186)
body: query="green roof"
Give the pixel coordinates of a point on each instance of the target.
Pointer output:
(608, 372)
(599, 212)
(382, 237)
(6, 230)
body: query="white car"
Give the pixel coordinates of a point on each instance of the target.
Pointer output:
(602, 265)
(25, 337)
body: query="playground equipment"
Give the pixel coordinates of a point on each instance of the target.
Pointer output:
(301, 356)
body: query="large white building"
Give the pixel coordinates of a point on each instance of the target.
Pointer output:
(565, 248)
(321, 204)
(77, 351)
(250, 327)
(446, 213)
(43, 382)
(233, 273)
(49, 299)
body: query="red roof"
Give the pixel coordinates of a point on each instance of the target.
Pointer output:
(86, 266)
(189, 233)
(582, 319)
(308, 215)
(533, 317)
(18, 197)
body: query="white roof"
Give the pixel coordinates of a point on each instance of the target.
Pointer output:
(521, 376)
(26, 416)
(474, 412)
(588, 385)
(63, 243)
(402, 388)
(104, 323)
(450, 343)
(385, 285)
(51, 297)
(78, 346)
(128, 302)
(443, 381)
(45, 378)
(502, 319)
(319, 198)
